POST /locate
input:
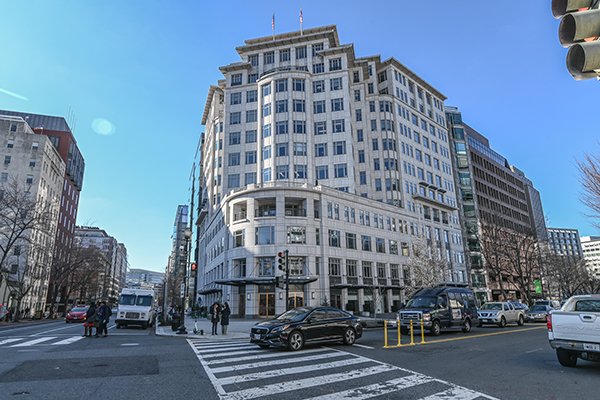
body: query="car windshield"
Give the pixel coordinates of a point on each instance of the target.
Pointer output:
(78, 309)
(492, 306)
(133, 300)
(422, 302)
(297, 314)
(538, 308)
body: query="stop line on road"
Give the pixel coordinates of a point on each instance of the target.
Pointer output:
(239, 370)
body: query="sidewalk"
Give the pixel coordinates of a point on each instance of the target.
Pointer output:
(24, 322)
(238, 329)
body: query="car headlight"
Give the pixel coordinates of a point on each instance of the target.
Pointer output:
(280, 328)
(143, 315)
(426, 317)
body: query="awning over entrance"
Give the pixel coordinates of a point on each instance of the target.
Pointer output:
(266, 280)
(210, 290)
(357, 286)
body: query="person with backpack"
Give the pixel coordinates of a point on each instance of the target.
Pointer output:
(104, 314)
(215, 314)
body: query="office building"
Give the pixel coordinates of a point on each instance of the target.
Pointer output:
(590, 246)
(565, 242)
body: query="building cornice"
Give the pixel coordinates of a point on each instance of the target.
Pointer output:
(328, 32)
(412, 75)
(209, 99)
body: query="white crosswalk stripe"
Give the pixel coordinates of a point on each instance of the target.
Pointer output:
(239, 373)
(20, 342)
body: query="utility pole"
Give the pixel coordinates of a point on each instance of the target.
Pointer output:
(287, 281)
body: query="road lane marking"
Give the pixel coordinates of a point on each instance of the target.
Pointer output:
(533, 351)
(225, 350)
(52, 330)
(5, 341)
(481, 335)
(233, 353)
(130, 344)
(32, 342)
(68, 340)
(454, 393)
(363, 346)
(259, 356)
(289, 386)
(288, 371)
(260, 364)
(377, 389)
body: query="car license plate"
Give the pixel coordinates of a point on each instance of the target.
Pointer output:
(591, 346)
(255, 336)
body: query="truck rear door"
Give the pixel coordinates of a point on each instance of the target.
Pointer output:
(582, 324)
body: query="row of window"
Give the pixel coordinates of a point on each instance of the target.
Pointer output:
(285, 55)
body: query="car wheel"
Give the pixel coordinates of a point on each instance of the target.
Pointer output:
(436, 328)
(349, 337)
(295, 341)
(566, 358)
(502, 322)
(467, 326)
(521, 321)
(264, 346)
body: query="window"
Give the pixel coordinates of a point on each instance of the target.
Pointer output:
(296, 235)
(281, 127)
(351, 268)
(370, 88)
(266, 130)
(318, 86)
(251, 96)
(251, 136)
(339, 148)
(235, 138)
(3, 177)
(266, 90)
(298, 85)
(319, 107)
(358, 114)
(10, 144)
(236, 79)
(380, 245)
(335, 266)
(334, 238)
(266, 109)
(366, 242)
(362, 177)
(269, 57)
(29, 179)
(321, 150)
(265, 235)
(266, 266)
(300, 52)
(266, 152)
(282, 172)
(322, 172)
(299, 148)
(335, 64)
(299, 126)
(335, 84)
(253, 60)
(281, 85)
(351, 241)
(320, 128)
(337, 104)
(281, 106)
(235, 118)
(359, 135)
(251, 116)
(338, 126)
(299, 106)
(316, 47)
(318, 68)
(394, 247)
(376, 164)
(340, 170)
(249, 178)
(252, 78)
(235, 98)
(233, 181)
(300, 171)
(375, 143)
(7, 160)
(367, 269)
(281, 150)
(251, 157)
(284, 55)
(13, 127)
(234, 159)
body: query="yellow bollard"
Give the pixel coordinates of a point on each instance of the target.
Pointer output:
(385, 337)
(412, 336)
(399, 336)
(422, 331)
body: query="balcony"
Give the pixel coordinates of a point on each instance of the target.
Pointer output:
(295, 212)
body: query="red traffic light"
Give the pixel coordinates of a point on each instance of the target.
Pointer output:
(194, 267)
(281, 254)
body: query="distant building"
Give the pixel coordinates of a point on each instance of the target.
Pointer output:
(31, 162)
(565, 242)
(141, 277)
(590, 246)
(176, 266)
(113, 277)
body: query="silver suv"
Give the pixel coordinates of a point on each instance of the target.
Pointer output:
(500, 313)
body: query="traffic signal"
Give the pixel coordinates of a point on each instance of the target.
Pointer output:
(281, 260)
(194, 269)
(579, 30)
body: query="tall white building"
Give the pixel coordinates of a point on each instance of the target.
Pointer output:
(32, 163)
(343, 161)
(590, 246)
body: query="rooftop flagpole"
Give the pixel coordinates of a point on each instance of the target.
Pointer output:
(273, 26)
(301, 21)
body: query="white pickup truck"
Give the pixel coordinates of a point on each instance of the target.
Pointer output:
(574, 330)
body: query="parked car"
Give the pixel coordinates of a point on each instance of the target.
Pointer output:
(538, 313)
(76, 314)
(520, 306)
(573, 330)
(442, 307)
(500, 313)
(296, 327)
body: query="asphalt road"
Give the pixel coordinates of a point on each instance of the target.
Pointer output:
(488, 363)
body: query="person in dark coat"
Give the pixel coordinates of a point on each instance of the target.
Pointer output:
(103, 315)
(225, 313)
(90, 317)
(215, 312)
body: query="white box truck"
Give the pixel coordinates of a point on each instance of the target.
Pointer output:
(136, 307)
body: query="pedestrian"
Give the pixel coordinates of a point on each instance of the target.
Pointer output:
(225, 318)
(104, 314)
(90, 318)
(215, 311)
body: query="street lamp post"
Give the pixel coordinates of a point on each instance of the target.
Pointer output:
(187, 234)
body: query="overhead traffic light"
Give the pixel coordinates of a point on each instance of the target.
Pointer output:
(282, 260)
(194, 269)
(579, 30)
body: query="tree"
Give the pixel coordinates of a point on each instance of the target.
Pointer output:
(566, 276)
(524, 261)
(24, 221)
(589, 170)
(427, 266)
(492, 243)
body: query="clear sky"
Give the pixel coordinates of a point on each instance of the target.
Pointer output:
(136, 74)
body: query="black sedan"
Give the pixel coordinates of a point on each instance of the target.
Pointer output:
(296, 327)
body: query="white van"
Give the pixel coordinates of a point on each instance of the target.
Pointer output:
(136, 307)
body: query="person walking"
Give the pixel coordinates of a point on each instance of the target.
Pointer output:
(225, 313)
(90, 317)
(103, 316)
(215, 311)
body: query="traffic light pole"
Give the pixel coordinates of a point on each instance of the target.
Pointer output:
(287, 281)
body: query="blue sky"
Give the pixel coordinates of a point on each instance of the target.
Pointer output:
(136, 75)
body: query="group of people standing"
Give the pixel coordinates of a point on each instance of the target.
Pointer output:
(97, 316)
(218, 312)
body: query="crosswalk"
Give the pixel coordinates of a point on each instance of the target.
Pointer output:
(239, 370)
(29, 341)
